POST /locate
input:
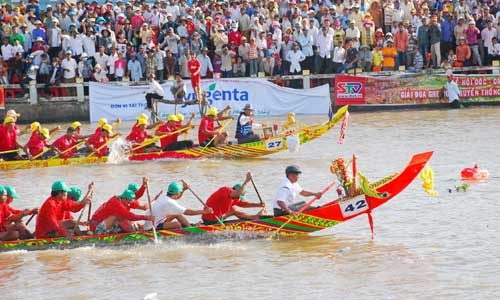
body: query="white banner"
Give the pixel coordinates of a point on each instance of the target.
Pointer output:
(113, 101)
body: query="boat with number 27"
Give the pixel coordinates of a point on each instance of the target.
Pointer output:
(273, 143)
(357, 196)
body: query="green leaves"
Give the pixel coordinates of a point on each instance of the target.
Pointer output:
(212, 87)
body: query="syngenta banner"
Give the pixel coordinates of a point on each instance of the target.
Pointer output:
(113, 101)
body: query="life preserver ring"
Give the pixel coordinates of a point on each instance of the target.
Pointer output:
(474, 173)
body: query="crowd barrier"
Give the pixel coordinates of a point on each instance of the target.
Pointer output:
(78, 92)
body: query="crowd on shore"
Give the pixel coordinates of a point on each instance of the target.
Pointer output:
(131, 40)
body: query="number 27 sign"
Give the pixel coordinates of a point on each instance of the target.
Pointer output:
(353, 206)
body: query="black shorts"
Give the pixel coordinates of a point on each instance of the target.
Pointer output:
(208, 142)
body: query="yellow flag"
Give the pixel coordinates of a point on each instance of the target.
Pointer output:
(427, 176)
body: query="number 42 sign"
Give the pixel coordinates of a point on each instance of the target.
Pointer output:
(353, 206)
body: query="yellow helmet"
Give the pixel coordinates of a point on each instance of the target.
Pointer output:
(8, 120)
(102, 122)
(212, 111)
(76, 124)
(180, 117)
(143, 116)
(34, 126)
(142, 121)
(173, 118)
(108, 128)
(45, 132)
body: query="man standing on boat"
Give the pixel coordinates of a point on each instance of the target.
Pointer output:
(288, 190)
(451, 88)
(245, 126)
(168, 213)
(225, 198)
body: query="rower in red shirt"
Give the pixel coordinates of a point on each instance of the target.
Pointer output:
(7, 233)
(63, 145)
(113, 216)
(8, 140)
(50, 222)
(139, 192)
(223, 200)
(194, 68)
(138, 136)
(13, 218)
(207, 130)
(37, 143)
(99, 145)
(171, 131)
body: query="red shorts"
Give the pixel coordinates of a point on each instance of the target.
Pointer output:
(195, 81)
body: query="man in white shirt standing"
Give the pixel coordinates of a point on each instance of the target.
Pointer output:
(168, 213)
(451, 88)
(288, 190)
(155, 91)
(69, 67)
(206, 63)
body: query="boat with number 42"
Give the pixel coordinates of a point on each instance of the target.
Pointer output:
(272, 143)
(357, 196)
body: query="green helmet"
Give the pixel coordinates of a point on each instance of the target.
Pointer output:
(128, 194)
(174, 188)
(75, 193)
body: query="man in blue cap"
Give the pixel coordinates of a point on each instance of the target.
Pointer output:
(168, 213)
(288, 190)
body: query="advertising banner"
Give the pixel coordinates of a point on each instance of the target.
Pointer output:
(413, 89)
(123, 101)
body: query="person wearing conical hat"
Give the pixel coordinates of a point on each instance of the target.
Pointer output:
(209, 135)
(50, 222)
(113, 216)
(8, 140)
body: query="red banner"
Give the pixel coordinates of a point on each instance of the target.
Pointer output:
(349, 90)
(2, 97)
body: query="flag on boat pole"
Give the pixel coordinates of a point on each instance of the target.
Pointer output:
(343, 128)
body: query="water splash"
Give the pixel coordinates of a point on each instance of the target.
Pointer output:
(119, 151)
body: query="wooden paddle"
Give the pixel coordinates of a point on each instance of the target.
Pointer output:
(257, 192)
(11, 151)
(102, 146)
(201, 201)
(151, 211)
(218, 131)
(157, 138)
(90, 193)
(301, 210)
(69, 149)
(31, 218)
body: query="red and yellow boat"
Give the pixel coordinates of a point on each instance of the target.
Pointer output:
(269, 145)
(356, 202)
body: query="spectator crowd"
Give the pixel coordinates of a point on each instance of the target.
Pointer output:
(130, 40)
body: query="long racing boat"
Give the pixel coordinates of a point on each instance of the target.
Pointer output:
(271, 144)
(357, 197)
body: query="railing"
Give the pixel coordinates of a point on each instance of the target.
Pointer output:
(78, 92)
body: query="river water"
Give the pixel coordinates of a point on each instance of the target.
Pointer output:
(442, 247)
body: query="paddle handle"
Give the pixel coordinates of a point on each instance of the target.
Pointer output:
(151, 213)
(303, 208)
(202, 203)
(256, 191)
(29, 220)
